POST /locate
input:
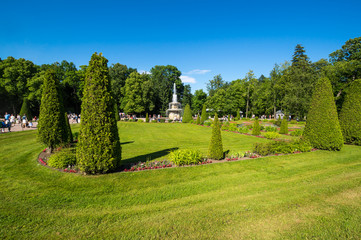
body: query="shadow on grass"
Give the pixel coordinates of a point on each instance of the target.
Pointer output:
(123, 143)
(147, 157)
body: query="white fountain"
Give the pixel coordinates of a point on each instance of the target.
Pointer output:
(175, 109)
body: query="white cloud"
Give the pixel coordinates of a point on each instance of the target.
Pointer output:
(143, 71)
(186, 79)
(198, 71)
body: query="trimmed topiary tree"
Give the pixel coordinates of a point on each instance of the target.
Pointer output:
(350, 116)
(25, 109)
(98, 149)
(284, 126)
(215, 150)
(70, 134)
(187, 115)
(238, 115)
(323, 129)
(256, 129)
(204, 115)
(198, 121)
(146, 118)
(52, 128)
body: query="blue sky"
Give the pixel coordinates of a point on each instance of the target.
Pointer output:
(201, 38)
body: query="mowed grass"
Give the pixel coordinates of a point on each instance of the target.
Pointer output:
(314, 195)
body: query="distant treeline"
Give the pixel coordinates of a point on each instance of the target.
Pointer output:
(288, 87)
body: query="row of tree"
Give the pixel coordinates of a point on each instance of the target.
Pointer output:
(289, 86)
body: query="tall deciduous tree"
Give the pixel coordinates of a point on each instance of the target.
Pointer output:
(52, 129)
(199, 98)
(98, 148)
(138, 95)
(187, 96)
(119, 74)
(163, 78)
(14, 78)
(299, 84)
(213, 85)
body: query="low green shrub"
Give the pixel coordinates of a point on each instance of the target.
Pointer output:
(235, 154)
(207, 123)
(140, 121)
(249, 127)
(170, 120)
(296, 133)
(62, 159)
(244, 129)
(186, 157)
(232, 127)
(278, 147)
(154, 121)
(162, 120)
(271, 129)
(262, 128)
(278, 122)
(271, 135)
(293, 122)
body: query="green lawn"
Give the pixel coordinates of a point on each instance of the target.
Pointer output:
(301, 196)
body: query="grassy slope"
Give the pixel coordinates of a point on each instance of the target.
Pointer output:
(311, 195)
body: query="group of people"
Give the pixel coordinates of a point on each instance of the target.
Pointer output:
(74, 118)
(10, 120)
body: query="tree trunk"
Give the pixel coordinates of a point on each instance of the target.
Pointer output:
(247, 103)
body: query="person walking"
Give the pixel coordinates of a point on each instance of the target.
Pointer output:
(7, 121)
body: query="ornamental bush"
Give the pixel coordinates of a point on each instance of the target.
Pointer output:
(256, 130)
(52, 128)
(350, 116)
(147, 118)
(215, 150)
(187, 115)
(238, 115)
(98, 148)
(198, 121)
(284, 126)
(271, 135)
(186, 157)
(281, 147)
(323, 129)
(25, 109)
(63, 159)
(204, 115)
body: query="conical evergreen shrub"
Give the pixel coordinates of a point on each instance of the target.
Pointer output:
(70, 134)
(238, 115)
(98, 148)
(25, 109)
(284, 125)
(198, 121)
(215, 150)
(350, 116)
(187, 115)
(323, 129)
(52, 129)
(146, 118)
(204, 115)
(256, 129)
